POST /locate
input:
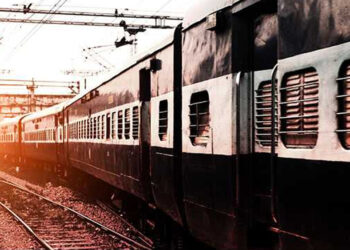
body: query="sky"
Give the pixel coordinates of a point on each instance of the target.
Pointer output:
(48, 52)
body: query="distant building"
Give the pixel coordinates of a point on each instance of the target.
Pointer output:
(12, 105)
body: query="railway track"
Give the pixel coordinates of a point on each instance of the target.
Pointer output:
(58, 227)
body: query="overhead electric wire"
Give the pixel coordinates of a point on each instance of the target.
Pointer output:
(93, 14)
(37, 27)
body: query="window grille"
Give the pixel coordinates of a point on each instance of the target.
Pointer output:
(80, 129)
(95, 127)
(88, 128)
(135, 123)
(263, 115)
(108, 126)
(103, 126)
(163, 120)
(98, 127)
(120, 124)
(113, 125)
(199, 118)
(127, 124)
(343, 98)
(299, 109)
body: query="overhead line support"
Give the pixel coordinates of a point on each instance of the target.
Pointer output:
(90, 14)
(82, 23)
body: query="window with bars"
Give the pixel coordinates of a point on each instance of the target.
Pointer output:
(343, 98)
(84, 129)
(113, 125)
(91, 131)
(78, 125)
(120, 124)
(127, 124)
(98, 127)
(299, 108)
(103, 126)
(263, 114)
(135, 123)
(108, 126)
(95, 127)
(87, 129)
(163, 120)
(199, 118)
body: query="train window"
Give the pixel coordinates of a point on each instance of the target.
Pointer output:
(135, 123)
(103, 127)
(127, 124)
(113, 127)
(108, 126)
(89, 129)
(79, 130)
(299, 109)
(120, 124)
(343, 97)
(95, 127)
(263, 115)
(98, 127)
(85, 129)
(163, 120)
(70, 131)
(199, 118)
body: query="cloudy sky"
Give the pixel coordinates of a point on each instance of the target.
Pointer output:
(47, 52)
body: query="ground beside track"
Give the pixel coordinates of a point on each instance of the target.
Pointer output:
(74, 200)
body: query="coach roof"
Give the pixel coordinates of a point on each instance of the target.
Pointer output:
(202, 8)
(45, 112)
(11, 121)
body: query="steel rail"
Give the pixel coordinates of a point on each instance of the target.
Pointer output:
(93, 222)
(27, 227)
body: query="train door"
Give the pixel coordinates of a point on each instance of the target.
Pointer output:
(264, 143)
(145, 125)
(59, 138)
(254, 58)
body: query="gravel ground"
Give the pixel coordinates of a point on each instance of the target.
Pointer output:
(76, 201)
(13, 235)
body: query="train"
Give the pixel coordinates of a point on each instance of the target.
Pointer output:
(235, 129)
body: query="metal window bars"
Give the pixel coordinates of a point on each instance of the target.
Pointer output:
(343, 98)
(127, 124)
(135, 123)
(163, 120)
(263, 114)
(113, 127)
(199, 118)
(299, 108)
(120, 124)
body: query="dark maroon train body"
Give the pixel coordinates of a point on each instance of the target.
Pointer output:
(235, 130)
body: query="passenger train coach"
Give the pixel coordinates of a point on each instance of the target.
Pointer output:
(235, 130)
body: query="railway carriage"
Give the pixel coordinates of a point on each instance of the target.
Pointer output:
(42, 138)
(109, 128)
(312, 165)
(10, 139)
